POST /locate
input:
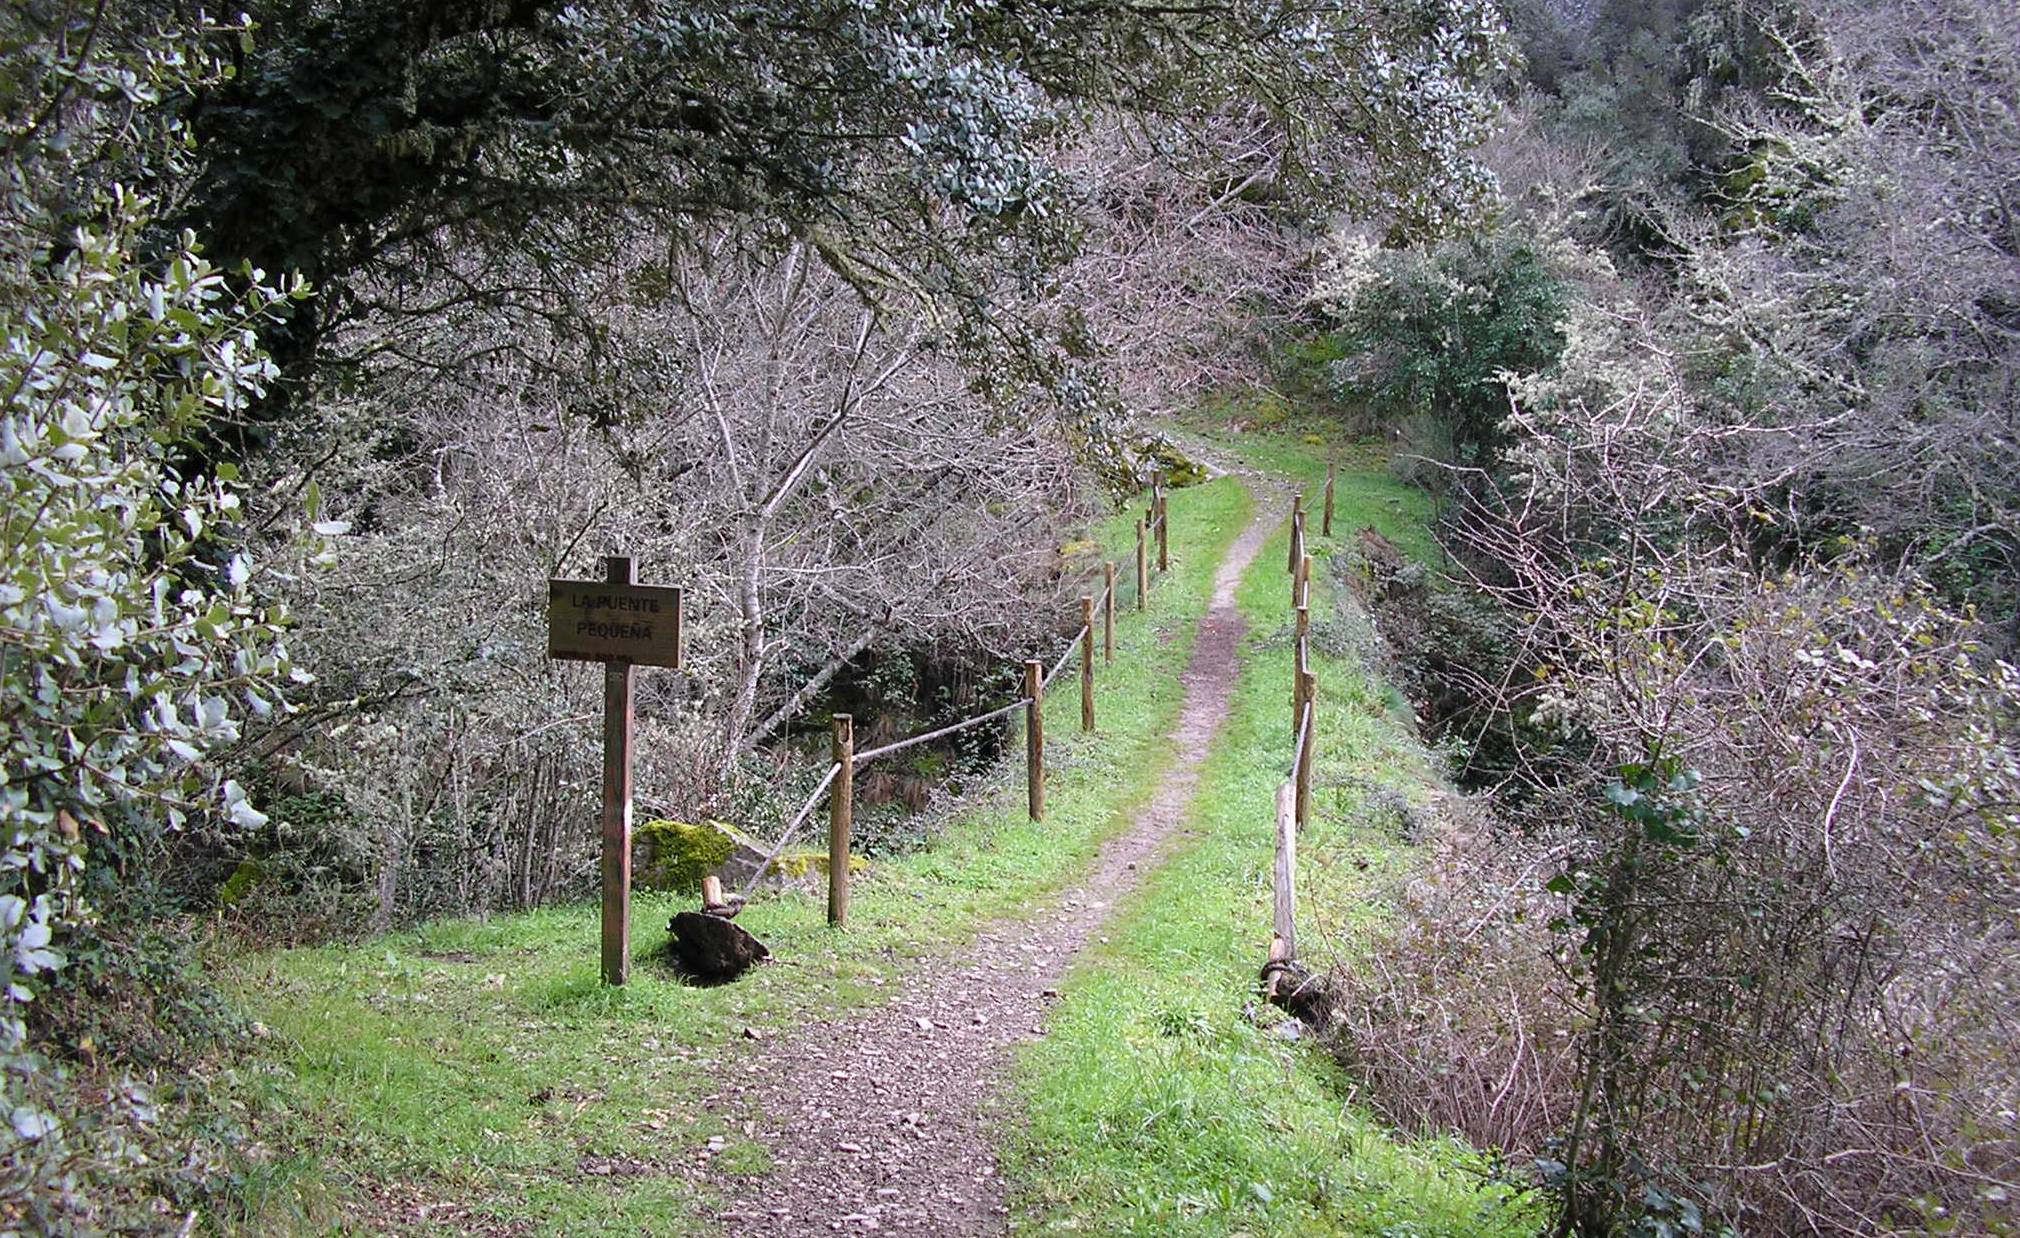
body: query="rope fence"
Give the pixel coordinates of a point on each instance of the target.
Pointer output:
(1152, 530)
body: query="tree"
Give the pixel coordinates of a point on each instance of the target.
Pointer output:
(132, 644)
(1768, 748)
(912, 146)
(1432, 335)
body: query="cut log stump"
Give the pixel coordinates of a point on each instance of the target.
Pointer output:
(1307, 994)
(710, 948)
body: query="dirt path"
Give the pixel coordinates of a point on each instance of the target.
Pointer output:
(883, 1120)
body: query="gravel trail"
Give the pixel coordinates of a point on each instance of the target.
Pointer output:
(882, 1120)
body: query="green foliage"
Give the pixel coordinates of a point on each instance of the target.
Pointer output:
(131, 643)
(1598, 1175)
(1429, 336)
(913, 145)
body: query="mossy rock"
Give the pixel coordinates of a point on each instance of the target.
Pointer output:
(1268, 409)
(1179, 469)
(248, 875)
(795, 866)
(676, 855)
(1080, 552)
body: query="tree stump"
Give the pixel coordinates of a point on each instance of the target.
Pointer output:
(711, 948)
(1309, 995)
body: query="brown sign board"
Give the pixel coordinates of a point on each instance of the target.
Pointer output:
(595, 621)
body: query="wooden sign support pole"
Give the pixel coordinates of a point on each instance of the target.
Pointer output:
(1108, 614)
(1142, 569)
(841, 818)
(624, 625)
(617, 708)
(1034, 738)
(1086, 663)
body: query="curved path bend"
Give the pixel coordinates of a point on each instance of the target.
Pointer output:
(882, 1120)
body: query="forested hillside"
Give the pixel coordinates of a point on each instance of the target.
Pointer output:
(1722, 408)
(1685, 338)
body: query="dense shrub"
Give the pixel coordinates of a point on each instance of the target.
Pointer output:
(1424, 337)
(132, 645)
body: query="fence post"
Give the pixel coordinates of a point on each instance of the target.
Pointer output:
(1034, 738)
(1086, 662)
(1297, 531)
(1310, 752)
(1301, 584)
(1297, 690)
(1108, 614)
(1284, 937)
(1304, 628)
(1142, 568)
(841, 815)
(1163, 532)
(1326, 520)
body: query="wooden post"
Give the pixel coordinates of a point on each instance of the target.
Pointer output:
(1108, 615)
(1163, 532)
(1298, 666)
(1034, 738)
(841, 817)
(1284, 934)
(1086, 662)
(1304, 628)
(680, 628)
(617, 708)
(1142, 569)
(1309, 755)
(578, 629)
(1297, 531)
(1302, 594)
(1326, 519)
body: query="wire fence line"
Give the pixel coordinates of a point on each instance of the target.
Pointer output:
(1072, 647)
(942, 733)
(813, 801)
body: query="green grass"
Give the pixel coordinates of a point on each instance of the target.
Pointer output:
(478, 1069)
(1165, 1100)
(1364, 492)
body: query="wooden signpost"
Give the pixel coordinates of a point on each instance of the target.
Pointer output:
(622, 624)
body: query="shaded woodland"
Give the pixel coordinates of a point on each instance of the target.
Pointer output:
(333, 330)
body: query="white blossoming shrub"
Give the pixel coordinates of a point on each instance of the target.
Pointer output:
(131, 647)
